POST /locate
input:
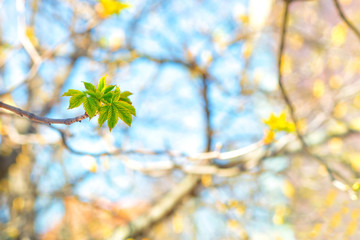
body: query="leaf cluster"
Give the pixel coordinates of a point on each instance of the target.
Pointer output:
(107, 101)
(279, 123)
(111, 7)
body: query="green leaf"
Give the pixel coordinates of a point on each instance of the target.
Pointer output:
(126, 94)
(103, 115)
(107, 98)
(125, 99)
(77, 100)
(108, 88)
(102, 83)
(123, 113)
(113, 117)
(99, 95)
(71, 92)
(107, 101)
(92, 94)
(116, 95)
(89, 87)
(91, 105)
(129, 107)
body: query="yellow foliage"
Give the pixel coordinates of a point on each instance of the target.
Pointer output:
(4, 185)
(318, 88)
(269, 136)
(335, 82)
(23, 159)
(280, 213)
(247, 50)
(345, 2)
(288, 189)
(296, 40)
(316, 230)
(353, 66)
(105, 230)
(322, 170)
(221, 207)
(351, 228)
(336, 127)
(355, 124)
(30, 33)
(12, 232)
(206, 180)
(338, 34)
(335, 145)
(89, 163)
(355, 214)
(241, 209)
(340, 110)
(178, 223)
(232, 223)
(335, 220)
(301, 124)
(93, 168)
(356, 101)
(18, 204)
(14, 169)
(286, 64)
(356, 187)
(355, 161)
(243, 18)
(330, 198)
(279, 123)
(233, 203)
(278, 219)
(344, 210)
(107, 8)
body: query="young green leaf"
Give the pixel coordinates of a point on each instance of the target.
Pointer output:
(71, 92)
(77, 100)
(116, 95)
(113, 117)
(102, 83)
(89, 87)
(126, 94)
(129, 107)
(109, 103)
(123, 113)
(91, 105)
(125, 99)
(107, 98)
(103, 115)
(92, 94)
(108, 88)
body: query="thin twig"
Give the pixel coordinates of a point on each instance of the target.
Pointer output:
(35, 118)
(345, 19)
(286, 96)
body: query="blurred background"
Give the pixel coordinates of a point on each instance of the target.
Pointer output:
(197, 162)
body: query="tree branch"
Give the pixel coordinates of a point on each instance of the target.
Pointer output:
(346, 20)
(160, 210)
(286, 96)
(35, 118)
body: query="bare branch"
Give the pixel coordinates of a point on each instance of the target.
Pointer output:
(35, 118)
(346, 20)
(287, 99)
(161, 209)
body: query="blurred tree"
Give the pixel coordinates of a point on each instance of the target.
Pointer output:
(247, 120)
